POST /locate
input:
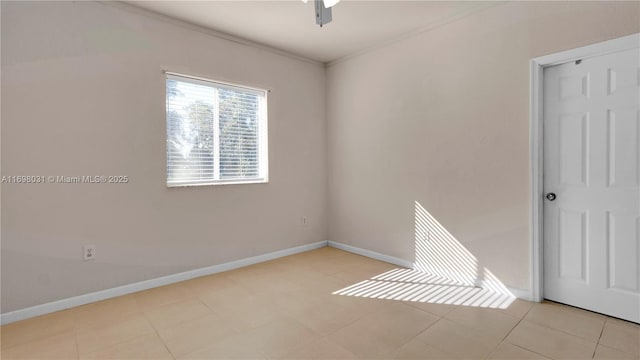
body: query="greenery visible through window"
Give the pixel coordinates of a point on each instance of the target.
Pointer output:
(216, 133)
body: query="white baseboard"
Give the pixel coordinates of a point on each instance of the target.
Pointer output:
(522, 294)
(372, 254)
(519, 293)
(148, 284)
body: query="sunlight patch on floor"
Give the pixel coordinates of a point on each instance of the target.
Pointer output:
(444, 272)
(417, 286)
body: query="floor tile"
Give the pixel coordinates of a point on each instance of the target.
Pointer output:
(351, 276)
(144, 347)
(101, 336)
(226, 297)
(605, 352)
(365, 341)
(307, 278)
(550, 342)
(358, 305)
(230, 347)
(62, 346)
(292, 302)
(175, 313)
(37, 328)
(280, 336)
(419, 350)
(193, 335)
(621, 335)
(324, 318)
(518, 308)
(492, 322)
(506, 351)
(321, 349)
(245, 312)
(104, 312)
(261, 278)
(436, 309)
(459, 340)
(399, 322)
(573, 321)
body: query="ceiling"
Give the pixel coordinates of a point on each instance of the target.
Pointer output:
(290, 25)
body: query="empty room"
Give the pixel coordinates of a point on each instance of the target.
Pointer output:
(320, 179)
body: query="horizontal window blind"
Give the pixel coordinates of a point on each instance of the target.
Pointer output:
(216, 133)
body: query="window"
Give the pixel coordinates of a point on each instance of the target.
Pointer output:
(216, 133)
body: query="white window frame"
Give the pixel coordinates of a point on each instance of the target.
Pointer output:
(263, 134)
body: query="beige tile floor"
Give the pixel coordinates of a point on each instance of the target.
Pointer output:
(286, 309)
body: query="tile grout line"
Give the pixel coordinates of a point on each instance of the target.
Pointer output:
(75, 337)
(593, 356)
(235, 330)
(523, 348)
(427, 311)
(564, 332)
(157, 333)
(518, 346)
(501, 341)
(161, 340)
(547, 327)
(300, 346)
(509, 333)
(418, 334)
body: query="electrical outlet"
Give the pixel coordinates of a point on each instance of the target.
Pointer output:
(89, 252)
(304, 221)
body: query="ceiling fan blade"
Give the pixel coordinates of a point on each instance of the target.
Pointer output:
(323, 13)
(323, 10)
(329, 3)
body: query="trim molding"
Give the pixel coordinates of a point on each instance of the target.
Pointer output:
(63, 304)
(371, 254)
(523, 294)
(414, 33)
(208, 31)
(519, 293)
(536, 141)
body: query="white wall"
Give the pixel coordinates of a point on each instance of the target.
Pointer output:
(442, 119)
(83, 93)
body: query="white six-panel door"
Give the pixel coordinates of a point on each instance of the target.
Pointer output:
(592, 166)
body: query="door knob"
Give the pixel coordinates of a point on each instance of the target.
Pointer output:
(551, 196)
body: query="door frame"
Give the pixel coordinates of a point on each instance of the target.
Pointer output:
(536, 175)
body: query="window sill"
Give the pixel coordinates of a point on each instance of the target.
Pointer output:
(220, 182)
